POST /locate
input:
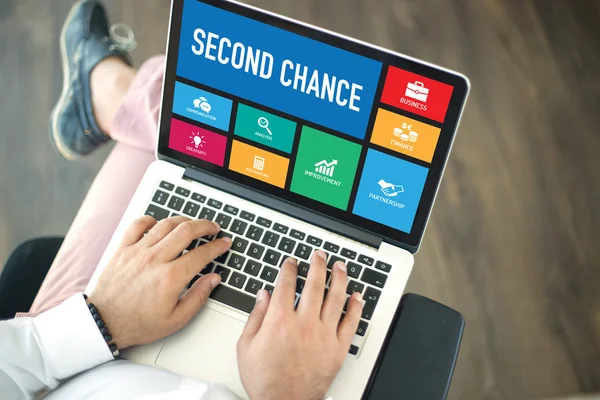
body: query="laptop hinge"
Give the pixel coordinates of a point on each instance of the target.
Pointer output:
(285, 207)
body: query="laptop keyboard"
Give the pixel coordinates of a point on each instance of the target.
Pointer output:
(259, 248)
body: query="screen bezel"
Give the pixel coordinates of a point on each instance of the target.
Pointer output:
(410, 241)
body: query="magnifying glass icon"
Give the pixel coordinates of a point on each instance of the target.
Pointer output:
(264, 123)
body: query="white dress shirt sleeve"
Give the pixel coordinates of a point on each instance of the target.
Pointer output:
(37, 353)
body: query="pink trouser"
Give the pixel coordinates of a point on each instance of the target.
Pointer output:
(135, 131)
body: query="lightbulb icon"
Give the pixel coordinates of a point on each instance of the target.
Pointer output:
(197, 140)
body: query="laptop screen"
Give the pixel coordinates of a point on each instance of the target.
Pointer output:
(338, 127)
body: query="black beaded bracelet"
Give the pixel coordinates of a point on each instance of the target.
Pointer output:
(103, 329)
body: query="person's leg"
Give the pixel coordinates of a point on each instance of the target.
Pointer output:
(133, 124)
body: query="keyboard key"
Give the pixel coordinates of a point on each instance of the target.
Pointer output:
(333, 260)
(215, 203)
(303, 251)
(254, 233)
(237, 280)
(199, 198)
(327, 277)
(303, 268)
(366, 260)
(224, 272)
(239, 227)
(287, 245)
(208, 269)
(191, 209)
(374, 278)
(223, 234)
(270, 289)
(233, 298)
(231, 210)
(353, 350)
(253, 286)
(182, 192)
(297, 234)
(383, 266)
(175, 203)
(160, 197)
(223, 220)
(222, 258)
(362, 328)
(252, 267)
(247, 216)
(314, 241)
(236, 261)
(334, 248)
(354, 286)
(281, 228)
(354, 270)
(348, 254)
(264, 222)
(371, 298)
(157, 212)
(256, 251)
(192, 245)
(166, 185)
(270, 239)
(272, 257)
(175, 215)
(239, 245)
(269, 274)
(300, 285)
(207, 213)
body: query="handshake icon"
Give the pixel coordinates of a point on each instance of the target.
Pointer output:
(390, 190)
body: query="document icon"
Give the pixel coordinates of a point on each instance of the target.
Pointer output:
(417, 91)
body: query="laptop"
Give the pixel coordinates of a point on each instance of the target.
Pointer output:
(293, 139)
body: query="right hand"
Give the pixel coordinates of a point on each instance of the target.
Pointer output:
(296, 354)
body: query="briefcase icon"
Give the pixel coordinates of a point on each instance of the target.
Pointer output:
(417, 91)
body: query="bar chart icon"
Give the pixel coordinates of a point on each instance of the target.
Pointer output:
(326, 168)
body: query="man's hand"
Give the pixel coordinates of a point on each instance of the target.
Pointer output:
(138, 293)
(295, 354)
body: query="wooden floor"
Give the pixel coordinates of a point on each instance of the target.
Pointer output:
(514, 240)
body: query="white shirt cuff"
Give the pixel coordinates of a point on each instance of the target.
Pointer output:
(70, 338)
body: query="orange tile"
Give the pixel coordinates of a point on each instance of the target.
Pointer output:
(258, 164)
(405, 135)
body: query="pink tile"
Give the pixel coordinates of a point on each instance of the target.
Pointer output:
(198, 142)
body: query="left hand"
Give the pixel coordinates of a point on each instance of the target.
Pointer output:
(138, 293)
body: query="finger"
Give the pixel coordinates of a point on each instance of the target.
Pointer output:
(349, 325)
(336, 296)
(194, 261)
(311, 300)
(137, 229)
(257, 316)
(284, 294)
(179, 238)
(195, 298)
(160, 230)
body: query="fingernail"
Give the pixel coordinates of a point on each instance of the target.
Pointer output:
(214, 282)
(217, 225)
(358, 296)
(226, 239)
(292, 261)
(260, 296)
(341, 265)
(321, 254)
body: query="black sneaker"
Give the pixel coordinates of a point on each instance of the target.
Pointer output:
(85, 41)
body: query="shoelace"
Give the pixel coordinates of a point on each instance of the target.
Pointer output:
(123, 37)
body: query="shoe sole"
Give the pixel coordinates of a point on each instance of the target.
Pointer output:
(55, 137)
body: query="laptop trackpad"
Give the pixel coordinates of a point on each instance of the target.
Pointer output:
(206, 350)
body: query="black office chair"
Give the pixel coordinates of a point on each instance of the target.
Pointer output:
(419, 354)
